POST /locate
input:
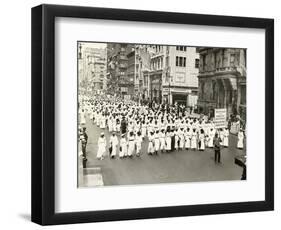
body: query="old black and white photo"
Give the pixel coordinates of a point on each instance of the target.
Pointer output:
(153, 113)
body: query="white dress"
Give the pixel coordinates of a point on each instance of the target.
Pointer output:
(176, 140)
(82, 118)
(131, 145)
(162, 140)
(143, 130)
(187, 136)
(181, 139)
(211, 138)
(138, 144)
(102, 122)
(240, 143)
(150, 144)
(225, 139)
(202, 141)
(110, 125)
(168, 141)
(114, 143)
(156, 142)
(193, 143)
(124, 148)
(101, 147)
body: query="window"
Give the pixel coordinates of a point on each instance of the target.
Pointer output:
(181, 48)
(180, 61)
(197, 63)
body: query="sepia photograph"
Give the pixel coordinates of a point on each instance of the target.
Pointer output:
(156, 113)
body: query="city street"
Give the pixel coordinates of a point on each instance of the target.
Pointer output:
(174, 167)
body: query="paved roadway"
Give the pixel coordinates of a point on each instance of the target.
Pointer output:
(181, 166)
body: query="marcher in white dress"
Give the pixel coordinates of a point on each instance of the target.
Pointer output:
(156, 142)
(162, 140)
(225, 138)
(211, 137)
(101, 147)
(187, 135)
(123, 147)
(82, 117)
(114, 144)
(168, 141)
(143, 129)
(150, 149)
(193, 141)
(102, 122)
(138, 143)
(131, 144)
(181, 138)
(240, 140)
(202, 140)
(109, 124)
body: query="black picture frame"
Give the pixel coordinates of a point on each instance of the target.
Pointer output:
(43, 113)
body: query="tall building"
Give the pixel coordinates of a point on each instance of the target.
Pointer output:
(142, 70)
(222, 80)
(173, 75)
(119, 77)
(92, 68)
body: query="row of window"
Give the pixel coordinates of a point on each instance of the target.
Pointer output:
(181, 62)
(181, 48)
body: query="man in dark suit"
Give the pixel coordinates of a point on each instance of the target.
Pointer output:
(217, 148)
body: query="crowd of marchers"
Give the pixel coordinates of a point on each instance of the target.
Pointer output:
(166, 128)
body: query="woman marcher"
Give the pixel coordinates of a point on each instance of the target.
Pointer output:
(150, 149)
(131, 144)
(138, 143)
(211, 138)
(240, 141)
(110, 124)
(162, 140)
(114, 144)
(181, 138)
(102, 122)
(156, 142)
(193, 141)
(168, 141)
(101, 147)
(123, 147)
(201, 140)
(143, 129)
(225, 137)
(187, 137)
(82, 117)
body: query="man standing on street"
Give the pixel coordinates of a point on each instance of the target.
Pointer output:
(217, 148)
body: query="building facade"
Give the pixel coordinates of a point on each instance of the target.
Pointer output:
(222, 80)
(120, 81)
(173, 75)
(92, 68)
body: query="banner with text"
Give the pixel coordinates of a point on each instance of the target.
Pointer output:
(220, 118)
